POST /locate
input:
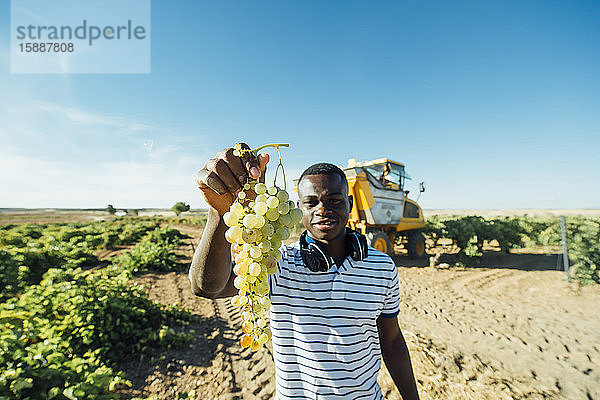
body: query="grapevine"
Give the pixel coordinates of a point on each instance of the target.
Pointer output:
(259, 220)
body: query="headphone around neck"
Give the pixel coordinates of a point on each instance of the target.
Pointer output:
(316, 258)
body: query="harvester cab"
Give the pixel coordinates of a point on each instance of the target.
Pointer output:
(382, 210)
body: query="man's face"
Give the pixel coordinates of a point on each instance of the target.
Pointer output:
(325, 205)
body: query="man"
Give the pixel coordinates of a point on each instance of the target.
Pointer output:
(334, 308)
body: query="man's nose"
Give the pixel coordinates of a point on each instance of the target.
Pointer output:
(322, 209)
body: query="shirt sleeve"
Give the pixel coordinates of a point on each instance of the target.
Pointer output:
(391, 304)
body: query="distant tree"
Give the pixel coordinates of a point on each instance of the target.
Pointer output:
(133, 211)
(111, 210)
(180, 207)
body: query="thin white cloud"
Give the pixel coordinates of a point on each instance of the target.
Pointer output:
(33, 111)
(17, 9)
(40, 126)
(35, 182)
(137, 127)
(78, 115)
(54, 155)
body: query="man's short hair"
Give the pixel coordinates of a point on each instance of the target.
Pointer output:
(324, 169)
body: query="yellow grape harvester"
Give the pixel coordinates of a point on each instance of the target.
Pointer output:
(382, 210)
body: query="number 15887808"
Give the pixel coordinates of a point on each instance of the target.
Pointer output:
(46, 47)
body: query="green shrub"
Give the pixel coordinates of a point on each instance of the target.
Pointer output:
(164, 235)
(148, 256)
(469, 234)
(62, 338)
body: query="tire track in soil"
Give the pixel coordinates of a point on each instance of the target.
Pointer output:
(252, 372)
(442, 372)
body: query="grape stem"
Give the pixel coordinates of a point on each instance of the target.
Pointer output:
(277, 146)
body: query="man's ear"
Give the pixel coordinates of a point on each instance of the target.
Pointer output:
(351, 201)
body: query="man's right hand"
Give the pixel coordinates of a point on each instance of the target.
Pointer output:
(224, 176)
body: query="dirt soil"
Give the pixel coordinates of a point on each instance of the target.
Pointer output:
(513, 328)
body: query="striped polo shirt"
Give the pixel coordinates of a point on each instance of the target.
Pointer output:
(325, 339)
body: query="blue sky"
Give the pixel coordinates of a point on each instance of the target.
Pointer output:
(493, 104)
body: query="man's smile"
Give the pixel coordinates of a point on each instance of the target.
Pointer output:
(325, 224)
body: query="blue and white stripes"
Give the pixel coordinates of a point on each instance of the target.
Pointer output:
(325, 339)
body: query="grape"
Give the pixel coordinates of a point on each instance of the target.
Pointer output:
(282, 233)
(285, 220)
(264, 246)
(243, 269)
(255, 252)
(236, 208)
(267, 230)
(271, 269)
(260, 188)
(264, 338)
(254, 269)
(248, 327)
(260, 208)
(283, 196)
(296, 215)
(235, 232)
(239, 282)
(265, 302)
(248, 221)
(272, 202)
(230, 218)
(275, 244)
(258, 221)
(272, 214)
(249, 235)
(283, 208)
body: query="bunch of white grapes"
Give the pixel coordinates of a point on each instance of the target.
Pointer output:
(257, 228)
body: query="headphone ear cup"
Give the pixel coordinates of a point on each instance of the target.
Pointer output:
(313, 257)
(321, 263)
(364, 245)
(356, 244)
(312, 262)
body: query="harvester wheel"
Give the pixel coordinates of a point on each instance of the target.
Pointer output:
(380, 241)
(416, 245)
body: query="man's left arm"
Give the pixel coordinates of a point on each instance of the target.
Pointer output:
(396, 357)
